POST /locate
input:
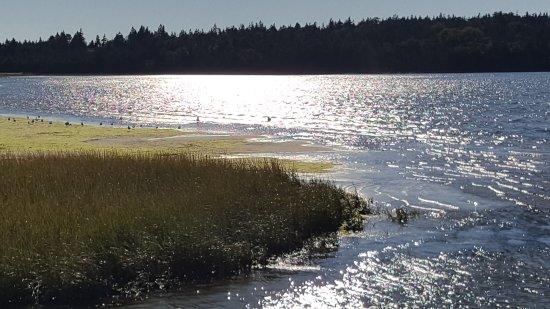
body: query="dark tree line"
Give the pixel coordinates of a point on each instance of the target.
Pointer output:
(498, 42)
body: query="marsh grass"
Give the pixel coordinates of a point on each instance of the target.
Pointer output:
(401, 215)
(80, 227)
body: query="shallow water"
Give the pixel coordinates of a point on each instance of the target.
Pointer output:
(469, 151)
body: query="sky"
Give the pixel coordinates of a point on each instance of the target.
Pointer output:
(31, 19)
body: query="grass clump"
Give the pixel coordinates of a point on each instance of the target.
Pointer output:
(402, 216)
(79, 227)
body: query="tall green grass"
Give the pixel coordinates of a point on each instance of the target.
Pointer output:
(76, 228)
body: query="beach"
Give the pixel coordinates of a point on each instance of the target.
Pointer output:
(33, 134)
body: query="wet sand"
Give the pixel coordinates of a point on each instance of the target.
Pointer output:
(23, 136)
(234, 144)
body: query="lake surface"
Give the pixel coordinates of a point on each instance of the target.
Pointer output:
(469, 151)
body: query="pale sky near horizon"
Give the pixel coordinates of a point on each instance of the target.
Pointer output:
(31, 19)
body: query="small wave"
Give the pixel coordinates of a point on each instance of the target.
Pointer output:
(428, 209)
(498, 192)
(518, 189)
(290, 267)
(415, 206)
(438, 203)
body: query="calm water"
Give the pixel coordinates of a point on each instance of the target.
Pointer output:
(469, 151)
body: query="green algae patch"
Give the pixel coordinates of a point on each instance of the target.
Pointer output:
(27, 136)
(20, 135)
(23, 136)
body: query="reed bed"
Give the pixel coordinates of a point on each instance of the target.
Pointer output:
(80, 227)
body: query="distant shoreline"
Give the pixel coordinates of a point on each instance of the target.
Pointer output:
(499, 42)
(254, 73)
(12, 74)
